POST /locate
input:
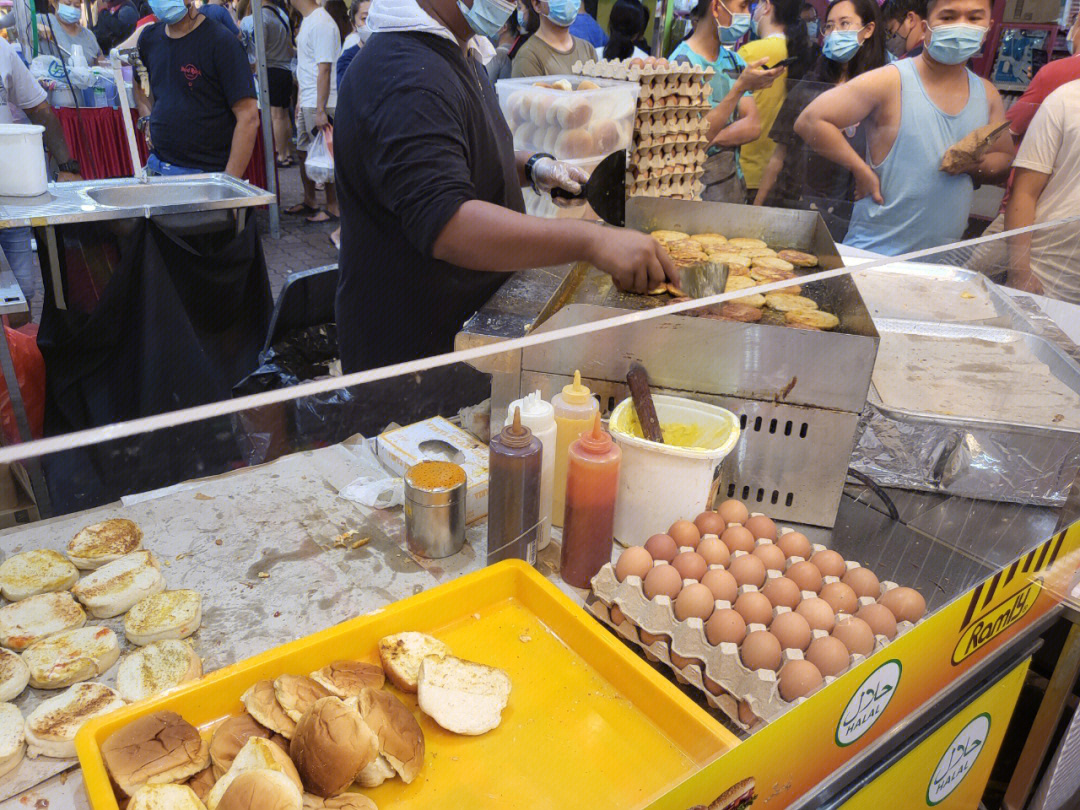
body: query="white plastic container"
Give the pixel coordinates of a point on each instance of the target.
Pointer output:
(539, 417)
(22, 161)
(662, 483)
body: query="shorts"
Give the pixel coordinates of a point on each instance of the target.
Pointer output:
(280, 83)
(305, 125)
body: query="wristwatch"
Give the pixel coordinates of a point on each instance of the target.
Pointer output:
(142, 123)
(530, 163)
(71, 167)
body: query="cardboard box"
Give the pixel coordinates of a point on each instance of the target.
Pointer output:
(437, 439)
(1032, 11)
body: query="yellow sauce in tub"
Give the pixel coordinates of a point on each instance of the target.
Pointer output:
(676, 434)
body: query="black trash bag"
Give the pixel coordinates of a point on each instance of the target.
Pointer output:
(301, 355)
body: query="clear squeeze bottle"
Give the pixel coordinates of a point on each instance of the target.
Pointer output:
(591, 485)
(574, 408)
(539, 417)
(514, 464)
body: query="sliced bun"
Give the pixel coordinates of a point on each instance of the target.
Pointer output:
(165, 615)
(166, 797)
(375, 773)
(202, 782)
(154, 749)
(257, 754)
(12, 737)
(402, 653)
(345, 801)
(345, 679)
(261, 703)
(117, 586)
(14, 675)
(51, 727)
(230, 737)
(35, 617)
(261, 790)
(462, 696)
(104, 542)
(401, 740)
(156, 668)
(32, 572)
(72, 656)
(332, 745)
(298, 693)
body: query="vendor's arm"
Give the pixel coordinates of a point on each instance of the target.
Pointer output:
(43, 115)
(771, 173)
(1027, 187)
(243, 141)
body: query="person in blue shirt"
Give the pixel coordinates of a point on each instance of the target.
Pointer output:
(587, 28)
(217, 12)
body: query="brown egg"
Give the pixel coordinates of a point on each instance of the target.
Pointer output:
(829, 563)
(617, 616)
(761, 527)
(806, 575)
(863, 581)
(690, 565)
(710, 523)
(771, 555)
(714, 551)
(797, 679)
(856, 635)
(680, 662)
(782, 592)
(733, 511)
(792, 631)
(725, 625)
(754, 608)
(818, 614)
(721, 583)
(748, 570)
(684, 533)
(738, 538)
(761, 650)
(661, 547)
(906, 604)
(650, 638)
(880, 619)
(746, 714)
(840, 597)
(694, 601)
(794, 544)
(713, 687)
(829, 655)
(634, 562)
(662, 580)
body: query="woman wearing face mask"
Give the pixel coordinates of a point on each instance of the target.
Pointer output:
(552, 50)
(64, 28)
(519, 27)
(733, 120)
(795, 177)
(913, 111)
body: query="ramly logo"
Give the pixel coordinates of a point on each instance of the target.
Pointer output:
(868, 703)
(996, 621)
(958, 759)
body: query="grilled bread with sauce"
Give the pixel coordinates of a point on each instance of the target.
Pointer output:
(51, 727)
(14, 675)
(72, 656)
(155, 668)
(402, 653)
(117, 586)
(101, 543)
(165, 615)
(34, 618)
(32, 572)
(12, 737)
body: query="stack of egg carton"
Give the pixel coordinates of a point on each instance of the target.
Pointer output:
(668, 153)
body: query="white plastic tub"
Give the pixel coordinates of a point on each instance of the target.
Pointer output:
(22, 161)
(662, 483)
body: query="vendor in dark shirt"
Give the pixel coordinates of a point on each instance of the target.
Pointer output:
(204, 116)
(430, 189)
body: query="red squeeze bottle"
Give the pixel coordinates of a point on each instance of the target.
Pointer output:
(592, 480)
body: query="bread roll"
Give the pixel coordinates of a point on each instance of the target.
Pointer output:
(33, 618)
(33, 572)
(346, 801)
(155, 749)
(524, 134)
(541, 105)
(51, 727)
(572, 112)
(462, 696)
(14, 675)
(606, 136)
(117, 586)
(401, 655)
(230, 737)
(375, 773)
(71, 656)
(165, 797)
(261, 703)
(551, 135)
(101, 543)
(331, 746)
(156, 668)
(12, 737)
(298, 693)
(256, 754)
(346, 679)
(202, 783)
(401, 740)
(574, 144)
(261, 790)
(165, 615)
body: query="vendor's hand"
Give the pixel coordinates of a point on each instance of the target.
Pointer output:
(550, 174)
(756, 76)
(634, 260)
(868, 184)
(67, 177)
(322, 121)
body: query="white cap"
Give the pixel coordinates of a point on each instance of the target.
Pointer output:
(536, 414)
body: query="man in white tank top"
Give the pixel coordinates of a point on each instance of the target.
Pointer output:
(914, 110)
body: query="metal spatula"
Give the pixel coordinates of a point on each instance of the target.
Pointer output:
(605, 190)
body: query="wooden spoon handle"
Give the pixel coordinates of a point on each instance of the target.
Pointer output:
(638, 380)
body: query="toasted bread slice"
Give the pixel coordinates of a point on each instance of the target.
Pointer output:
(116, 587)
(14, 675)
(462, 696)
(165, 797)
(104, 542)
(12, 737)
(51, 727)
(32, 572)
(156, 668)
(785, 302)
(35, 617)
(72, 656)
(402, 653)
(165, 615)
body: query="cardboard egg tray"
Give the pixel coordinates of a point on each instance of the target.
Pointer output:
(720, 675)
(654, 73)
(670, 129)
(682, 188)
(687, 157)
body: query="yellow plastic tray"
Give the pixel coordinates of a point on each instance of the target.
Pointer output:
(589, 724)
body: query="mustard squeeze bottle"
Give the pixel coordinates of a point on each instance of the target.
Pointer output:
(575, 408)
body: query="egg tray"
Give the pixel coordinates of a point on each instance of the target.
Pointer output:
(680, 158)
(722, 663)
(686, 188)
(668, 131)
(665, 73)
(652, 148)
(672, 104)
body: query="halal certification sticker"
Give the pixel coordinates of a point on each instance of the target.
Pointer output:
(868, 703)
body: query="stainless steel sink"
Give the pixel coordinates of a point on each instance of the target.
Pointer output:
(160, 194)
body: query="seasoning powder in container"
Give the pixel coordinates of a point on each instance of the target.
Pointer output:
(592, 481)
(435, 508)
(514, 493)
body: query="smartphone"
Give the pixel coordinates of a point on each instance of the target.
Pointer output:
(783, 63)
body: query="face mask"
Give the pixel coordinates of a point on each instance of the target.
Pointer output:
(69, 14)
(840, 46)
(896, 44)
(755, 21)
(522, 20)
(563, 12)
(363, 32)
(955, 44)
(169, 11)
(740, 24)
(486, 17)
(811, 29)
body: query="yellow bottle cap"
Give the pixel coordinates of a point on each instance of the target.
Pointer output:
(576, 394)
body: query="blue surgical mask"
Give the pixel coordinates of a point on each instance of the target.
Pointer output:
(522, 20)
(841, 46)
(811, 29)
(730, 34)
(563, 12)
(755, 20)
(169, 11)
(955, 44)
(69, 14)
(486, 17)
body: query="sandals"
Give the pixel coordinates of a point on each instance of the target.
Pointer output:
(301, 209)
(321, 216)
(284, 164)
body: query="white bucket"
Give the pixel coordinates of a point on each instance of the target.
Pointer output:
(662, 483)
(22, 161)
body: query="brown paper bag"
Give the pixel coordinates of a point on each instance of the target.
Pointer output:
(971, 148)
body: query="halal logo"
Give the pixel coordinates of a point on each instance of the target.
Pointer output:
(958, 759)
(868, 703)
